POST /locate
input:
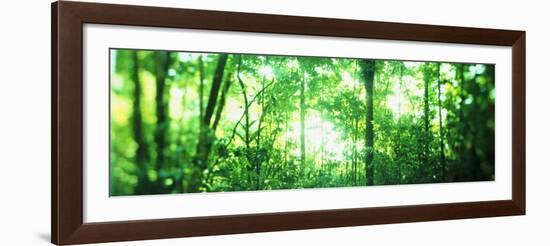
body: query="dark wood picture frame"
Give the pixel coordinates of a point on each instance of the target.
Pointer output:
(67, 122)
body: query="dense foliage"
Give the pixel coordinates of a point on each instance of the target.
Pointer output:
(191, 122)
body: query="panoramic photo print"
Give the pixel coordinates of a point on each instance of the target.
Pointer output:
(188, 122)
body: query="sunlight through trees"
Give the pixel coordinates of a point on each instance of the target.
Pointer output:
(186, 122)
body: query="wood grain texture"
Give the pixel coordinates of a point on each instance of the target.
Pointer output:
(518, 123)
(67, 122)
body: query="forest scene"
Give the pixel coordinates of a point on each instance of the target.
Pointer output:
(188, 122)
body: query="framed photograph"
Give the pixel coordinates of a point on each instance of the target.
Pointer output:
(174, 122)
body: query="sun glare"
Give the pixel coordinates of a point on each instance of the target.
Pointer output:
(175, 107)
(349, 80)
(318, 133)
(267, 72)
(397, 100)
(234, 110)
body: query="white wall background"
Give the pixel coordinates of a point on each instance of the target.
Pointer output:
(25, 121)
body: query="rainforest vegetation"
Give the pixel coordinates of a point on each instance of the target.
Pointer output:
(183, 122)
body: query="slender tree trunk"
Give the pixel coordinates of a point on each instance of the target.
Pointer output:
(162, 64)
(441, 135)
(368, 67)
(141, 151)
(323, 139)
(246, 114)
(398, 148)
(356, 93)
(475, 158)
(246, 126)
(303, 120)
(251, 100)
(201, 88)
(214, 90)
(221, 103)
(460, 71)
(200, 160)
(426, 139)
(259, 161)
(460, 78)
(462, 130)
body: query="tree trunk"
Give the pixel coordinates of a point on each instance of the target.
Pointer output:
(259, 161)
(201, 88)
(398, 148)
(323, 139)
(303, 120)
(426, 138)
(205, 132)
(368, 67)
(475, 159)
(462, 129)
(214, 90)
(141, 151)
(441, 141)
(356, 93)
(162, 64)
(246, 106)
(221, 103)
(246, 126)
